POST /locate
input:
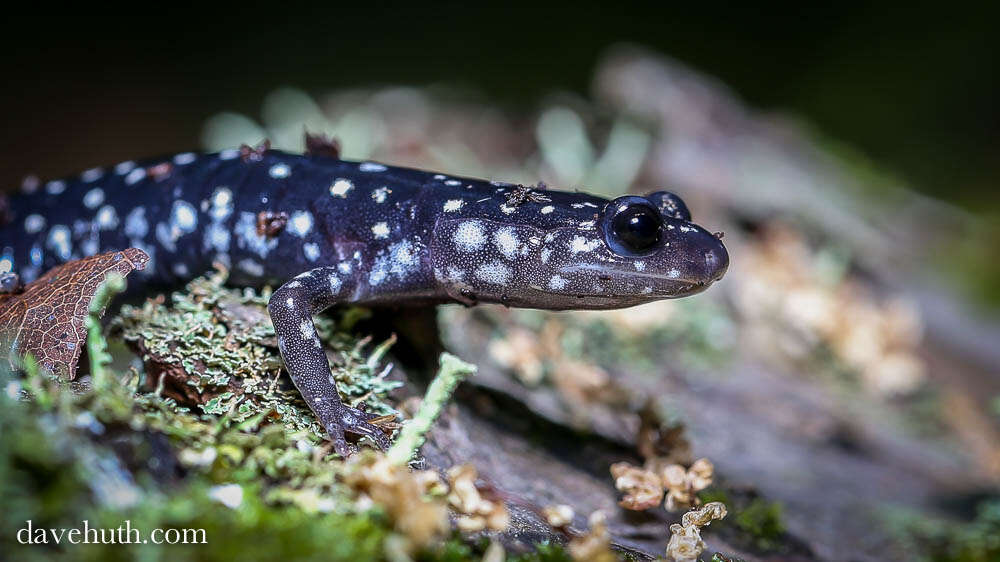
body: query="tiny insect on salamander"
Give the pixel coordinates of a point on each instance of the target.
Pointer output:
(327, 231)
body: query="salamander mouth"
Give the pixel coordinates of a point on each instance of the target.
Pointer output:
(674, 283)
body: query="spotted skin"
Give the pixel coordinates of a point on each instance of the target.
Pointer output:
(356, 232)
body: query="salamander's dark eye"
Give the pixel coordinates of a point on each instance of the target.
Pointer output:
(637, 227)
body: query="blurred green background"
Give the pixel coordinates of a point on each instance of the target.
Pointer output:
(913, 87)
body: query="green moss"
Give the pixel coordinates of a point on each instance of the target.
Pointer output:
(761, 520)
(758, 522)
(942, 540)
(715, 494)
(545, 552)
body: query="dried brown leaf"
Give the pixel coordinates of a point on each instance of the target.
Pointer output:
(47, 318)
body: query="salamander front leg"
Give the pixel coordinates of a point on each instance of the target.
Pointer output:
(291, 308)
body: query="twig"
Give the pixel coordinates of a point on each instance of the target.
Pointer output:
(452, 371)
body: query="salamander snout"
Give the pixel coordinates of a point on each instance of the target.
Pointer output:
(716, 259)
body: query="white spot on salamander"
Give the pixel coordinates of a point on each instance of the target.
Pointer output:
(580, 244)
(136, 226)
(279, 171)
(34, 224)
(93, 198)
(453, 182)
(506, 241)
(184, 217)
(547, 209)
(59, 241)
(135, 176)
(335, 284)
(217, 238)
(557, 283)
(107, 218)
(496, 273)
(164, 236)
(306, 329)
(229, 154)
(371, 167)
(377, 276)
(35, 255)
(311, 251)
(340, 187)
(453, 205)
(251, 267)
(55, 187)
(124, 167)
(380, 230)
(184, 158)
(469, 236)
(301, 223)
(398, 260)
(639, 265)
(545, 254)
(222, 203)
(92, 175)
(380, 194)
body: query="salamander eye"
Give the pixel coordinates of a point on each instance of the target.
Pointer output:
(635, 225)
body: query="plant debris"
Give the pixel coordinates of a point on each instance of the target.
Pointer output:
(595, 544)
(47, 318)
(478, 506)
(645, 488)
(686, 544)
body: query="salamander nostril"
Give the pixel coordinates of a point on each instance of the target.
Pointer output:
(716, 261)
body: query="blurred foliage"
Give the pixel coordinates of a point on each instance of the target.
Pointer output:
(939, 540)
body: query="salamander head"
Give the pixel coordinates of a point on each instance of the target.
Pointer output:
(633, 250)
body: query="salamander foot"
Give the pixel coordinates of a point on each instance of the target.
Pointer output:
(345, 419)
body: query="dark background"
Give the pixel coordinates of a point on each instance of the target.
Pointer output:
(914, 88)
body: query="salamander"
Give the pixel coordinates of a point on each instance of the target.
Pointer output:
(327, 231)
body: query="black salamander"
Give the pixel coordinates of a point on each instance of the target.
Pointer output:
(327, 231)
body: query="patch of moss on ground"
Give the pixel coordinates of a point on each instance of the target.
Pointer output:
(927, 539)
(755, 521)
(217, 349)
